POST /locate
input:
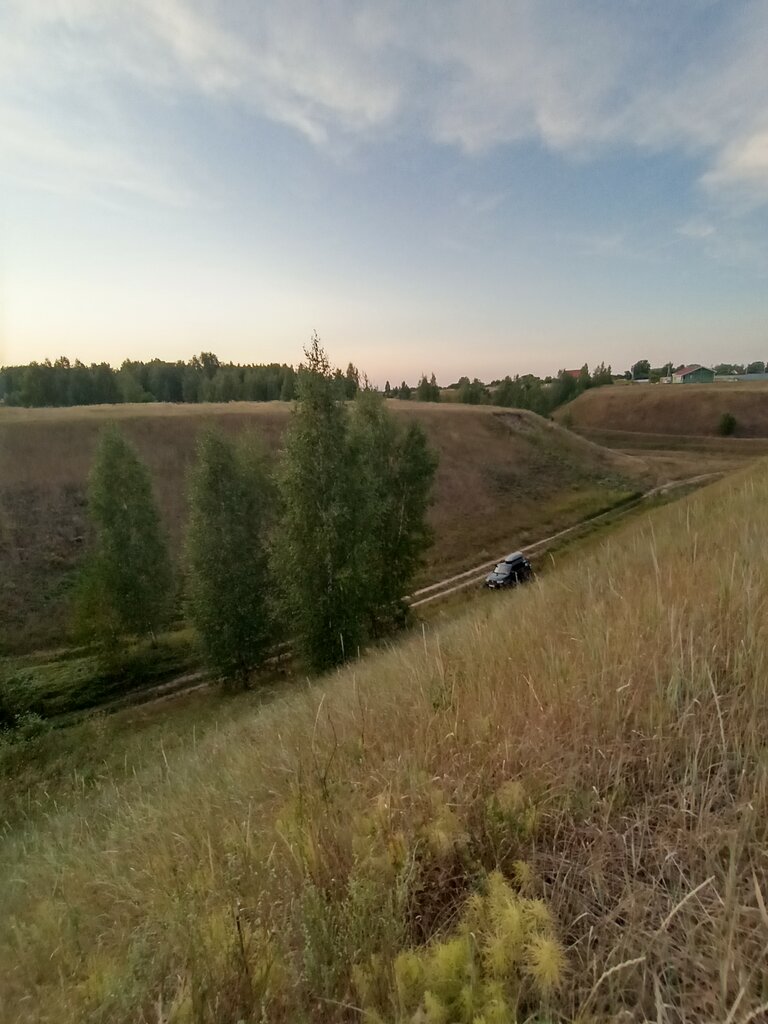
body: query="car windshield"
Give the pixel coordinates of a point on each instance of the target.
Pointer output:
(503, 569)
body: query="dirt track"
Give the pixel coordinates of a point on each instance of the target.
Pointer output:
(477, 574)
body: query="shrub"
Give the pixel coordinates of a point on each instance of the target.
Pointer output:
(504, 954)
(727, 424)
(17, 722)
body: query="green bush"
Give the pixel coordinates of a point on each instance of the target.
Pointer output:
(727, 425)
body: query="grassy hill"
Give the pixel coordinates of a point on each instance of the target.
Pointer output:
(677, 409)
(504, 478)
(553, 809)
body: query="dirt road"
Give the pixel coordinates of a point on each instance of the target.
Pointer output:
(477, 574)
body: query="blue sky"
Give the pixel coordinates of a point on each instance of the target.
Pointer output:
(465, 187)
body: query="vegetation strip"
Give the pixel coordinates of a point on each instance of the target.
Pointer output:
(193, 681)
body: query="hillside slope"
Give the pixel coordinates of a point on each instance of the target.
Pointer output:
(679, 409)
(598, 738)
(504, 478)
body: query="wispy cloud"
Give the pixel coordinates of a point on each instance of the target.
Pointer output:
(310, 69)
(697, 229)
(481, 204)
(742, 168)
(67, 66)
(603, 245)
(41, 157)
(474, 74)
(583, 78)
(730, 241)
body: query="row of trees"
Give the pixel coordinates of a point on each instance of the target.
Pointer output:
(202, 379)
(727, 369)
(319, 552)
(541, 395)
(642, 369)
(427, 390)
(205, 379)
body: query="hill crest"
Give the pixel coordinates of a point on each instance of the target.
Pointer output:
(672, 409)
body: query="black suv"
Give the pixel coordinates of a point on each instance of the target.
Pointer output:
(513, 570)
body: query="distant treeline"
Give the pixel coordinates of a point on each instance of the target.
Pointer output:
(730, 369)
(202, 379)
(531, 392)
(205, 379)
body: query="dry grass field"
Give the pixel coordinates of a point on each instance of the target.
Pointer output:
(677, 409)
(554, 808)
(504, 478)
(675, 456)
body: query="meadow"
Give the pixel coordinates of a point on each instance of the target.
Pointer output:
(552, 808)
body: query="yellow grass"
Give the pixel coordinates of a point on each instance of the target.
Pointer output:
(598, 738)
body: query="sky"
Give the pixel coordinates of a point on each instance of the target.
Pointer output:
(457, 186)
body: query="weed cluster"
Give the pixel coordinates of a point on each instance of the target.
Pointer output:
(503, 960)
(726, 425)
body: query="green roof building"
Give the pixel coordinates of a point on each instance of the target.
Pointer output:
(693, 374)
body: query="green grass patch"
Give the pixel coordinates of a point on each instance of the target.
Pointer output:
(586, 503)
(75, 762)
(76, 681)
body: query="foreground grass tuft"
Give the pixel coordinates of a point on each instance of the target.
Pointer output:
(553, 809)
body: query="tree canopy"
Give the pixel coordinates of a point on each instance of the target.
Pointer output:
(227, 554)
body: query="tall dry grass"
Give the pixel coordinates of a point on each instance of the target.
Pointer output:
(599, 739)
(672, 409)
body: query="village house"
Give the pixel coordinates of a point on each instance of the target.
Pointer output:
(693, 374)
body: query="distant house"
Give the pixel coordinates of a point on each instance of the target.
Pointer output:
(693, 374)
(572, 373)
